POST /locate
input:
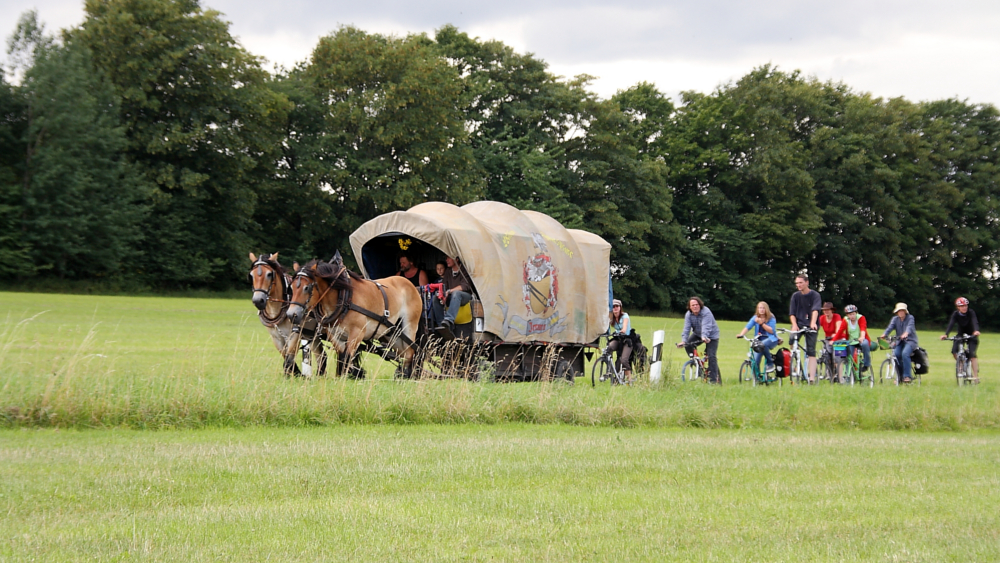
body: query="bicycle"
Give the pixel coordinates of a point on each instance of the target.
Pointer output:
(890, 369)
(853, 371)
(604, 369)
(798, 373)
(749, 369)
(963, 367)
(826, 366)
(696, 367)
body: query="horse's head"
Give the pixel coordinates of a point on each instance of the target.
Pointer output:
(267, 278)
(317, 286)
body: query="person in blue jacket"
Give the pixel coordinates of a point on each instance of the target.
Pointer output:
(700, 327)
(763, 323)
(906, 329)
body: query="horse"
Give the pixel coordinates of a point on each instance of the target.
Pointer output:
(271, 290)
(354, 310)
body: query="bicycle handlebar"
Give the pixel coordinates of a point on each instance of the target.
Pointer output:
(960, 338)
(797, 332)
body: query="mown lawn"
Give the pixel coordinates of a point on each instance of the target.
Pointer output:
(79, 361)
(506, 492)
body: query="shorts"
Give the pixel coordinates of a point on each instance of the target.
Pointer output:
(973, 346)
(810, 344)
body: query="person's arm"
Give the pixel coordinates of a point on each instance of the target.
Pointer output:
(791, 313)
(975, 323)
(770, 325)
(889, 328)
(713, 327)
(951, 321)
(863, 327)
(909, 327)
(422, 277)
(687, 329)
(816, 306)
(750, 323)
(813, 317)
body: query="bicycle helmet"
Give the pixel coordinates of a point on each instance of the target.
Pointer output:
(961, 301)
(851, 309)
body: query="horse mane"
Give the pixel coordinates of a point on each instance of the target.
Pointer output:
(335, 274)
(273, 264)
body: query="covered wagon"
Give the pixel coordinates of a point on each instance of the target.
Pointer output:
(541, 292)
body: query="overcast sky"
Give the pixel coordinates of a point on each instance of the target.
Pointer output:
(919, 49)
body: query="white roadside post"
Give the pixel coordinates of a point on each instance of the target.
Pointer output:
(657, 363)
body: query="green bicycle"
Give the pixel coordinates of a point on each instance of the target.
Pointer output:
(854, 372)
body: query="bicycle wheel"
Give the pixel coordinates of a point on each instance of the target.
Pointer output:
(821, 369)
(745, 372)
(887, 373)
(799, 374)
(867, 376)
(690, 371)
(599, 372)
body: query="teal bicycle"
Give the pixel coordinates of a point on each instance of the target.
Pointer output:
(750, 370)
(853, 371)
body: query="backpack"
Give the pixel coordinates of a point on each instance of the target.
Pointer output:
(782, 362)
(919, 360)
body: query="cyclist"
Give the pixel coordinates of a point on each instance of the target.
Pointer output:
(803, 310)
(832, 325)
(621, 339)
(700, 326)
(856, 328)
(906, 329)
(966, 324)
(765, 323)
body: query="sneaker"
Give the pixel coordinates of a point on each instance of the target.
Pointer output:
(907, 380)
(769, 369)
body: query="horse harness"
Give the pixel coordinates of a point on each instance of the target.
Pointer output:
(345, 303)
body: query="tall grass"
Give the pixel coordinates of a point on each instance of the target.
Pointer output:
(172, 363)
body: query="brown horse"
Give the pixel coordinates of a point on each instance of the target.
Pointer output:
(271, 290)
(354, 310)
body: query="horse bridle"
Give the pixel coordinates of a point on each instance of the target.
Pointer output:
(308, 290)
(264, 318)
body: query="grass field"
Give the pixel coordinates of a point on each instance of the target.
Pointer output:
(141, 362)
(504, 493)
(246, 465)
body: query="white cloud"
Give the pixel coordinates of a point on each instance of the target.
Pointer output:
(921, 49)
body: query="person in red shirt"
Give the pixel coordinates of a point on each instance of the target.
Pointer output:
(832, 325)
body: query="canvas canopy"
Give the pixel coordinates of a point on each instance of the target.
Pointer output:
(538, 281)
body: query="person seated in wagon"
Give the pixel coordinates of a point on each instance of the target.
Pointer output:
(457, 292)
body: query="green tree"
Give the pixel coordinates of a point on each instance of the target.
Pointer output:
(520, 118)
(14, 250)
(202, 124)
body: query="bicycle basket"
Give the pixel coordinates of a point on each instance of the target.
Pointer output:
(840, 349)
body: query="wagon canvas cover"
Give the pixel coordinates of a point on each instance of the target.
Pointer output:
(538, 281)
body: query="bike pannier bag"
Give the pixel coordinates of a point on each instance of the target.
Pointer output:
(782, 362)
(919, 360)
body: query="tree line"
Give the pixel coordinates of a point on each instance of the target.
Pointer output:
(146, 146)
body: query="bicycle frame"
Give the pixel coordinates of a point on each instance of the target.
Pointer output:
(963, 364)
(757, 377)
(798, 354)
(696, 367)
(891, 368)
(852, 367)
(604, 368)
